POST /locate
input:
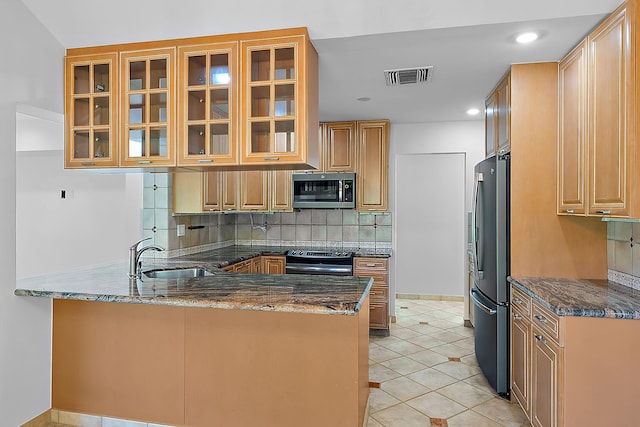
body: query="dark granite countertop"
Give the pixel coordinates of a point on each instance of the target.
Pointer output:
(582, 297)
(220, 289)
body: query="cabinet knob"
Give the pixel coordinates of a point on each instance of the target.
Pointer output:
(569, 211)
(517, 300)
(541, 339)
(516, 316)
(540, 318)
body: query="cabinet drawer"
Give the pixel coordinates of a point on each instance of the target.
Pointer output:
(379, 294)
(362, 265)
(547, 322)
(378, 279)
(520, 302)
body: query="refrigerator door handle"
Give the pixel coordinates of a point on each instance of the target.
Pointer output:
(480, 305)
(474, 225)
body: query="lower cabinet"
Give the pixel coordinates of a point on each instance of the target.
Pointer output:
(273, 264)
(547, 380)
(265, 264)
(378, 268)
(573, 370)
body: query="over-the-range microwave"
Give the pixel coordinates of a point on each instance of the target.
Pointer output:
(324, 190)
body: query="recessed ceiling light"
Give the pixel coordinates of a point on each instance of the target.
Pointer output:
(527, 37)
(364, 99)
(473, 111)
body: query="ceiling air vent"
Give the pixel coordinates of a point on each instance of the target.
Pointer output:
(406, 76)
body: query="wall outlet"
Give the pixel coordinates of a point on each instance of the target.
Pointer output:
(181, 230)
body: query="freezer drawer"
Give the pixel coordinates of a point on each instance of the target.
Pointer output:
(491, 340)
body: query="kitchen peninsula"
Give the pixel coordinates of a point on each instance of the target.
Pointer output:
(222, 349)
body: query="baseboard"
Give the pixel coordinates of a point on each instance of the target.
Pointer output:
(48, 416)
(456, 298)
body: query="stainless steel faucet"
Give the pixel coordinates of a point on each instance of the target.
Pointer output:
(134, 257)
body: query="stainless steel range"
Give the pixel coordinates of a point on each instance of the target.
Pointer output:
(328, 262)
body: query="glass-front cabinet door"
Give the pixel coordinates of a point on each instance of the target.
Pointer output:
(207, 108)
(91, 111)
(274, 109)
(147, 95)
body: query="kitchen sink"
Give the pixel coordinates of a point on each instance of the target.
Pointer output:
(177, 273)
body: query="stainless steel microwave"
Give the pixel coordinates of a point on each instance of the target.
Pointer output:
(324, 190)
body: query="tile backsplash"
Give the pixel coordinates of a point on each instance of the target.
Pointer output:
(623, 248)
(334, 228)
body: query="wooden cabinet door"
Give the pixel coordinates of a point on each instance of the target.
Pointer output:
(340, 147)
(91, 111)
(242, 267)
(208, 104)
(547, 364)
(188, 192)
(147, 118)
(256, 265)
(611, 101)
(373, 166)
(279, 116)
(280, 189)
(378, 315)
(572, 133)
(490, 106)
(521, 360)
(503, 117)
(230, 181)
(213, 191)
(253, 190)
(273, 264)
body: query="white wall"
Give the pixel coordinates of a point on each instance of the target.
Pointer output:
(95, 224)
(441, 137)
(31, 72)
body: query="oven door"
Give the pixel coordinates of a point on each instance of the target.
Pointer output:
(319, 268)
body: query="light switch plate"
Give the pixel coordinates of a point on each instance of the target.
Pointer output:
(180, 230)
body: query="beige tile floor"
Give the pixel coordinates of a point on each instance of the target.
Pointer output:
(428, 373)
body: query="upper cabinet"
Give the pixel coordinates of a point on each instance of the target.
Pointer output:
(147, 95)
(340, 147)
(597, 159)
(91, 110)
(373, 166)
(228, 100)
(498, 118)
(208, 104)
(572, 131)
(279, 113)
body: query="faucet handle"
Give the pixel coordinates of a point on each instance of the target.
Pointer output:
(135, 245)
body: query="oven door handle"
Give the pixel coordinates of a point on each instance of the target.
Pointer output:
(346, 270)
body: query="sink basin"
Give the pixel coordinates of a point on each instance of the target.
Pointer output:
(177, 273)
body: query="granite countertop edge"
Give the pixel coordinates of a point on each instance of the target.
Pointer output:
(589, 298)
(91, 284)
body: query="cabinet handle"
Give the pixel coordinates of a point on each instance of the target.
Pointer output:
(371, 265)
(607, 212)
(271, 158)
(205, 161)
(541, 339)
(516, 316)
(540, 318)
(88, 163)
(517, 300)
(144, 162)
(569, 211)
(372, 209)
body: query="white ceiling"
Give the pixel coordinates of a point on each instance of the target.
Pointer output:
(469, 42)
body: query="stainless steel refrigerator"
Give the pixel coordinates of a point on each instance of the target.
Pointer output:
(490, 291)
